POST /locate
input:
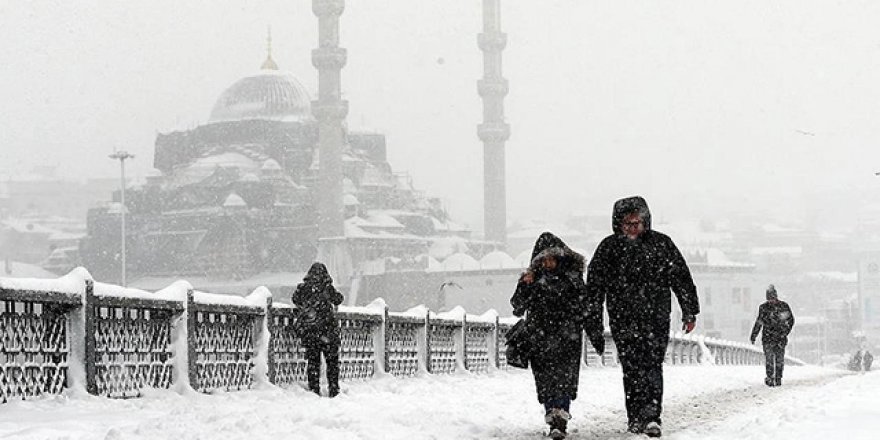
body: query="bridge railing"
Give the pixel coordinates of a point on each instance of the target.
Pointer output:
(116, 342)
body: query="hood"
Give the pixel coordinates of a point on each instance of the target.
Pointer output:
(318, 275)
(625, 206)
(771, 293)
(549, 244)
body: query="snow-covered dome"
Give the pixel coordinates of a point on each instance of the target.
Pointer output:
(524, 259)
(460, 261)
(271, 165)
(234, 201)
(269, 94)
(249, 178)
(497, 260)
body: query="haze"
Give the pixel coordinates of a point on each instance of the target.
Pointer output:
(706, 108)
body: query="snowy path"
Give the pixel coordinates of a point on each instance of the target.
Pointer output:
(700, 402)
(703, 412)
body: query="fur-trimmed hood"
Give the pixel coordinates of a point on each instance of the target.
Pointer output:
(627, 205)
(551, 245)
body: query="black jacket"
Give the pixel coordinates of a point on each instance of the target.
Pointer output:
(776, 319)
(316, 300)
(635, 277)
(555, 302)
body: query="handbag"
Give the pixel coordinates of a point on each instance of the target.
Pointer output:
(519, 345)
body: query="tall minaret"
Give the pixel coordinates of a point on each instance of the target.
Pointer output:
(493, 131)
(330, 111)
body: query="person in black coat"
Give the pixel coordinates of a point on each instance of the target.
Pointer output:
(776, 319)
(633, 271)
(855, 363)
(552, 292)
(318, 327)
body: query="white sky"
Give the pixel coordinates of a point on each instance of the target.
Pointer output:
(684, 102)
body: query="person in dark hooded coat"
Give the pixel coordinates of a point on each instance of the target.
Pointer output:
(318, 327)
(553, 293)
(776, 320)
(633, 271)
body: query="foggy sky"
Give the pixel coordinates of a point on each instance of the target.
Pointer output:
(694, 104)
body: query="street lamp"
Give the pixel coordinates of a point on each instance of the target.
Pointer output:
(121, 156)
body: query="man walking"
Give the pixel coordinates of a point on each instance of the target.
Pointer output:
(775, 317)
(318, 327)
(634, 270)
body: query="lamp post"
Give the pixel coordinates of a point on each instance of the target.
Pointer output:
(121, 156)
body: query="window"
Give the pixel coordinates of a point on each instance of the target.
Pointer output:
(707, 296)
(737, 295)
(747, 298)
(709, 322)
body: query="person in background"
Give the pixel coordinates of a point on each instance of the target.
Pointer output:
(318, 327)
(776, 320)
(552, 291)
(634, 269)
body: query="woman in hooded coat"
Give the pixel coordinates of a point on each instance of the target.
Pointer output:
(553, 293)
(318, 327)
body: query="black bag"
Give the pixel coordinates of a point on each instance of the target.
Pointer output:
(314, 315)
(519, 346)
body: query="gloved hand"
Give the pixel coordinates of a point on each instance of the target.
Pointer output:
(688, 323)
(752, 340)
(597, 340)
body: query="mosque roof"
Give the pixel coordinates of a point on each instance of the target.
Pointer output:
(269, 94)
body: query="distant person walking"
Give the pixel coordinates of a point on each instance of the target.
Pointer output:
(553, 294)
(776, 320)
(634, 270)
(861, 361)
(318, 327)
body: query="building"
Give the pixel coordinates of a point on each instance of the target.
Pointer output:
(235, 200)
(43, 216)
(729, 294)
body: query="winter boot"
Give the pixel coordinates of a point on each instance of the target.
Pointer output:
(778, 382)
(652, 429)
(558, 419)
(769, 382)
(556, 434)
(635, 427)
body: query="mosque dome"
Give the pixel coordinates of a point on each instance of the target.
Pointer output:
(270, 95)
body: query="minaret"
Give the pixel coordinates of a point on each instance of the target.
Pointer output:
(330, 111)
(269, 64)
(494, 132)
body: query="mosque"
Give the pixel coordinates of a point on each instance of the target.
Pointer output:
(236, 197)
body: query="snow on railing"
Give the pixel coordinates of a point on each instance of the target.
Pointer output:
(74, 333)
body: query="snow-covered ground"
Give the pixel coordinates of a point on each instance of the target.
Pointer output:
(700, 403)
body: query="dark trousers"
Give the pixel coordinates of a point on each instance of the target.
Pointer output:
(641, 355)
(774, 361)
(563, 403)
(328, 345)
